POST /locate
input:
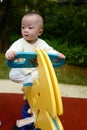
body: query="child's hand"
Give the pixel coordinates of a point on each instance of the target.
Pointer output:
(10, 55)
(61, 56)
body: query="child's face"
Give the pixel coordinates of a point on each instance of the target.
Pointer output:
(30, 28)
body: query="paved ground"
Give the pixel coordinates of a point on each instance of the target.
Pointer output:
(77, 91)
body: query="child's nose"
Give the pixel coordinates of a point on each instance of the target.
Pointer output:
(26, 29)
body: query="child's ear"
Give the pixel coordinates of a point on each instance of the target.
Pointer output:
(40, 32)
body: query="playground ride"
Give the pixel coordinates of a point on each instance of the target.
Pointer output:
(44, 104)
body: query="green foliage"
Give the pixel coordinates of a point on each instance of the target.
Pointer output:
(14, 38)
(67, 22)
(76, 55)
(4, 69)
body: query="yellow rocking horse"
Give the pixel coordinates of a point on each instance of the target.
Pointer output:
(44, 95)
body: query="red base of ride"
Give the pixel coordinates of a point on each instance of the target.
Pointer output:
(74, 117)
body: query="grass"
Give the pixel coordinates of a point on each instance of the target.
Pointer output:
(68, 74)
(4, 69)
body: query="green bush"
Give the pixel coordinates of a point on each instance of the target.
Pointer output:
(75, 55)
(67, 22)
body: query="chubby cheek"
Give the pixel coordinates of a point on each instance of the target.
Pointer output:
(33, 34)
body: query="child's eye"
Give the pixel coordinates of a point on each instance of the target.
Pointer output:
(22, 27)
(30, 27)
